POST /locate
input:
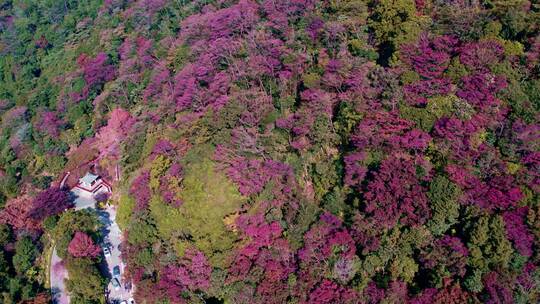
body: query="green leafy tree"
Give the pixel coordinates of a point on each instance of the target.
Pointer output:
(443, 195)
(159, 166)
(346, 119)
(324, 176)
(168, 219)
(5, 234)
(50, 223)
(3, 200)
(4, 271)
(9, 185)
(488, 248)
(394, 22)
(396, 254)
(85, 283)
(25, 255)
(142, 229)
(437, 107)
(125, 209)
(512, 14)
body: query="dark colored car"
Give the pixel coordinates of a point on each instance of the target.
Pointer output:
(116, 271)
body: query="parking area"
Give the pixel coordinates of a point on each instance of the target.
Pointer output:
(112, 240)
(81, 201)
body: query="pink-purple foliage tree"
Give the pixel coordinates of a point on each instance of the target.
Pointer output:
(481, 55)
(498, 291)
(118, 126)
(265, 258)
(140, 190)
(49, 124)
(329, 292)
(396, 195)
(251, 175)
(191, 273)
(479, 89)
(326, 241)
(497, 193)
(450, 293)
(355, 171)
(95, 72)
(417, 93)
(387, 132)
(517, 231)
(50, 202)
(429, 57)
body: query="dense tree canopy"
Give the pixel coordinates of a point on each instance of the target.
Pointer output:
(275, 151)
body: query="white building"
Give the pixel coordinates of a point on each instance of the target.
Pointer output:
(90, 185)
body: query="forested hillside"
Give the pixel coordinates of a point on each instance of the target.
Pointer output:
(275, 151)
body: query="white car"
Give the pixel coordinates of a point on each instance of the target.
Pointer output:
(106, 251)
(131, 301)
(116, 284)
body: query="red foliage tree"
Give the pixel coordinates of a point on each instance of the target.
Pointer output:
(118, 126)
(82, 246)
(40, 298)
(17, 213)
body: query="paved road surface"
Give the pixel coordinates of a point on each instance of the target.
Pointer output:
(64, 179)
(82, 202)
(57, 274)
